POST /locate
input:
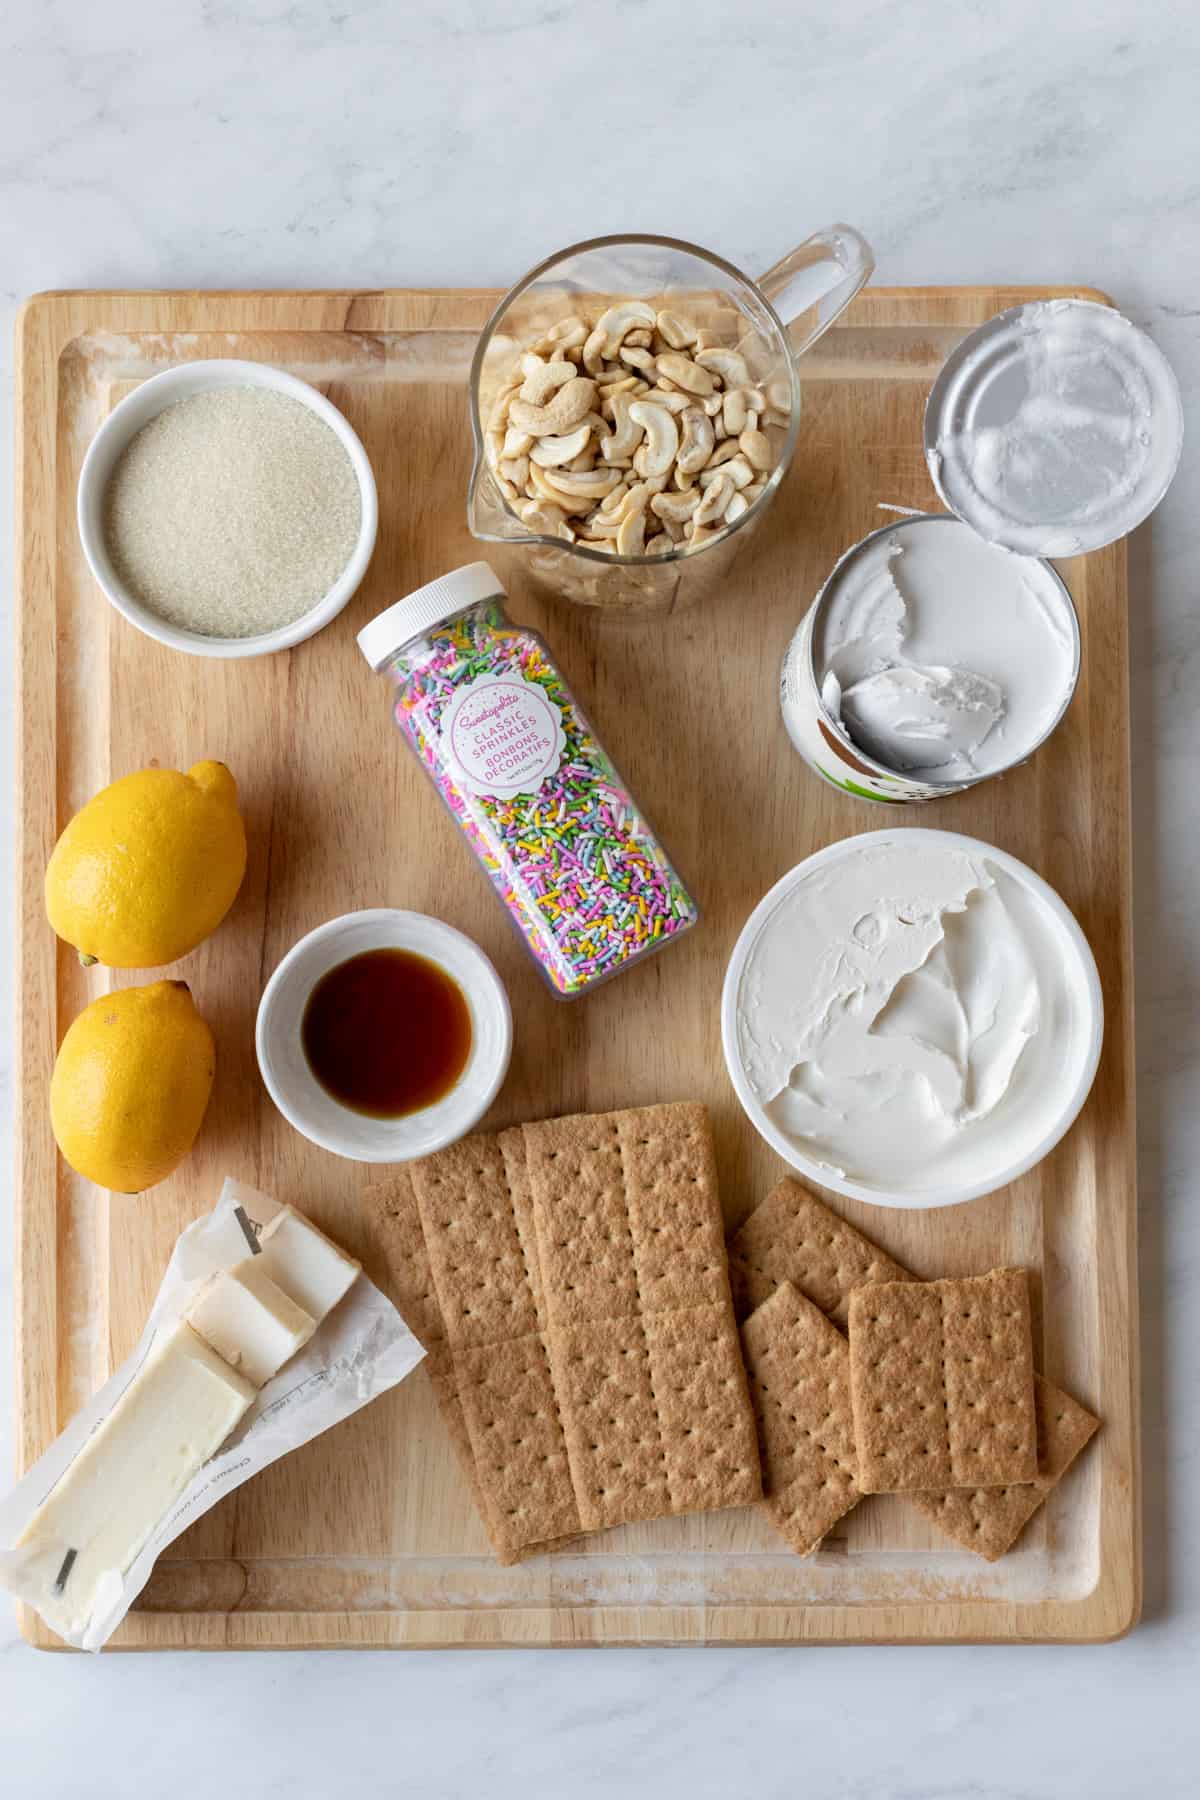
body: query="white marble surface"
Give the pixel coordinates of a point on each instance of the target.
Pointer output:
(262, 143)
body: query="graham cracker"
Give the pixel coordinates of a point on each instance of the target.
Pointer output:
(799, 1369)
(474, 1208)
(414, 1292)
(655, 1407)
(793, 1236)
(990, 1520)
(941, 1378)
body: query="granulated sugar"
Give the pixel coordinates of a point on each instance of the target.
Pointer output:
(233, 512)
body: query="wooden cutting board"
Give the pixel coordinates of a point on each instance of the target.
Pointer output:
(367, 1537)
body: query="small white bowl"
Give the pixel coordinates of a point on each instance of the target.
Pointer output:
(313, 1111)
(1077, 959)
(137, 410)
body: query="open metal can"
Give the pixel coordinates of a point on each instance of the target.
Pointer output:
(892, 727)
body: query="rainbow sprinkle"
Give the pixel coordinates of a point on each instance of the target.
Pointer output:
(581, 873)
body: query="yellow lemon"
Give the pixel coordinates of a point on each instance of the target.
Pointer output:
(149, 867)
(130, 1085)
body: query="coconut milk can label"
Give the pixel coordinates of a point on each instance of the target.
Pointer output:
(502, 736)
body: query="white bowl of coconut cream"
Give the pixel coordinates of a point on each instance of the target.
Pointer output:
(912, 1017)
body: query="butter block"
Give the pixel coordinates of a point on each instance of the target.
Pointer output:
(249, 1320)
(305, 1263)
(176, 1412)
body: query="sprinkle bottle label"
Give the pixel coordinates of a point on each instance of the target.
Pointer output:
(502, 736)
(531, 787)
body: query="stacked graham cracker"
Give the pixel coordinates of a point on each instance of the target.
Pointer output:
(933, 1395)
(569, 1283)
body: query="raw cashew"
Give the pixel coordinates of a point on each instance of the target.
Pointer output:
(737, 470)
(627, 435)
(626, 316)
(677, 332)
(631, 539)
(755, 446)
(676, 507)
(551, 520)
(516, 443)
(716, 499)
(737, 506)
(685, 373)
(543, 380)
(590, 486)
(696, 442)
(499, 413)
(516, 470)
(553, 452)
(573, 401)
(659, 544)
(724, 452)
(635, 358)
(674, 401)
(728, 364)
(779, 396)
(662, 438)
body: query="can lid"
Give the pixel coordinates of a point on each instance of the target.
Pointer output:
(426, 607)
(1055, 428)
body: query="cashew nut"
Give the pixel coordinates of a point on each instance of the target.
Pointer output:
(516, 443)
(737, 470)
(499, 413)
(671, 398)
(737, 506)
(728, 364)
(516, 470)
(635, 358)
(779, 395)
(624, 317)
(659, 544)
(696, 441)
(590, 485)
(755, 446)
(685, 373)
(551, 520)
(627, 433)
(675, 507)
(662, 438)
(641, 339)
(573, 401)
(553, 452)
(568, 334)
(724, 452)
(631, 539)
(677, 332)
(716, 499)
(544, 379)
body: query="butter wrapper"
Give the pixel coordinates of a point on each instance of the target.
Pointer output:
(360, 1350)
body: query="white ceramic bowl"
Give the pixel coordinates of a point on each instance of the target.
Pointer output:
(124, 423)
(1084, 979)
(298, 1094)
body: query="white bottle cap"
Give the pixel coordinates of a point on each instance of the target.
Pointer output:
(426, 607)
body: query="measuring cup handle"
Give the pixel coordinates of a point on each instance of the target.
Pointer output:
(820, 277)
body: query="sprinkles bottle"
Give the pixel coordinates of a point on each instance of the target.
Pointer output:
(527, 781)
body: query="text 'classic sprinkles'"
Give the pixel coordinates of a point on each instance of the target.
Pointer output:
(523, 773)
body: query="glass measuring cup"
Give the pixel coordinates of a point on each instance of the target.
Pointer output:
(771, 321)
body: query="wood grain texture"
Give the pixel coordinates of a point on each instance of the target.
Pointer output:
(368, 1536)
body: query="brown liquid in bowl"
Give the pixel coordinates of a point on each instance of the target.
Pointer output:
(387, 1033)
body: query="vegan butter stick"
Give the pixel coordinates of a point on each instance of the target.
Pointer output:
(176, 1413)
(249, 1320)
(306, 1264)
